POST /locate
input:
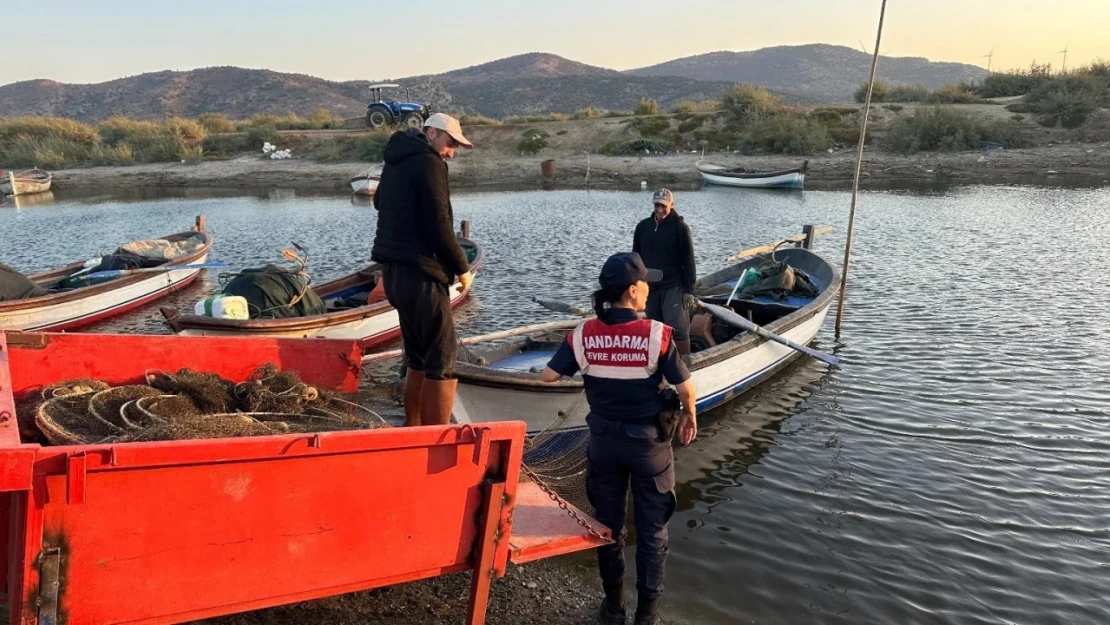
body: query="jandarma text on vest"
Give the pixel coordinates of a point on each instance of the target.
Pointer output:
(615, 342)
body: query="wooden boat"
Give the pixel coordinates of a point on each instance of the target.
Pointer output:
(501, 380)
(26, 182)
(369, 323)
(741, 177)
(66, 309)
(364, 185)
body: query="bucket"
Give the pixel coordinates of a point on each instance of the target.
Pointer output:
(548, 168)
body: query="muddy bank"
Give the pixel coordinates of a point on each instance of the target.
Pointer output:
(1080, 163)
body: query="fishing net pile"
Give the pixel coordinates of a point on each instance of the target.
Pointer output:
(557, 455)
(190, 405)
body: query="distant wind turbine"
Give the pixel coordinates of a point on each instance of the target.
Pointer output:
(989, 58)
(868, 52)
(1064, 64)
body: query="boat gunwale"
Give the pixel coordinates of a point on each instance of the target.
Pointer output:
(725, 172)
(745, 341)
(180, 322)
(53, 275)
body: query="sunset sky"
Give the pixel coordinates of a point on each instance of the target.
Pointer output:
(86, 42)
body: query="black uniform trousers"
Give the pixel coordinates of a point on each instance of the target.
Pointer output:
(427, 327)
(619, 456)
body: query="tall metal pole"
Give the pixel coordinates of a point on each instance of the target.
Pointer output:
(859, 167)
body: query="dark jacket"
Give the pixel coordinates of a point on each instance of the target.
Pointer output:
(416, 225)
(668, 247)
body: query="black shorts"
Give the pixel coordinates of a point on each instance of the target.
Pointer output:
(665, 305)
(427, 327)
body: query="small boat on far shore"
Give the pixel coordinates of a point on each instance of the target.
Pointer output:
(26, 182)
(741, 177)
(364, 185)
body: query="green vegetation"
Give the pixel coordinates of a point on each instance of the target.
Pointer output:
(588, 113)
(635, 147)
(747, 103)
(879, 92)
(786, 134)
(217, 123)
(1068, 100)
(533, 119)
(647, 106)
(478, 120)
(60, 143)
(897, 108)
(532, 142)
(953, 94)
(1019, 82)
(371, 148)
(321, 119)
(943, 129)
(1017, 118)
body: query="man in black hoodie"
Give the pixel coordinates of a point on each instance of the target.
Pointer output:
(664, 242)
(416, 243)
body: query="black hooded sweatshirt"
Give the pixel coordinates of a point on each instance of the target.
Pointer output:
(667, 246)
(416, 225)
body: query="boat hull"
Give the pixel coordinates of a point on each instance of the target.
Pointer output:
(715, 384)
(793, 180)
(364, 186)
(13, 184)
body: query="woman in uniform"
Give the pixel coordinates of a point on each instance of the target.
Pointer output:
(624, 359)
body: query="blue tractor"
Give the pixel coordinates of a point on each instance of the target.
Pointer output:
(381, 112)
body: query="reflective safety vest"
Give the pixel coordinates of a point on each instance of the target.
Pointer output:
(624, 351)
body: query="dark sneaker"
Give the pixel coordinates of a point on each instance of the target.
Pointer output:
(647, 612)
(611, 615)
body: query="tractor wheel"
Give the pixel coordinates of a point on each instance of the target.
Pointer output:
(378, 116)
(414, 120)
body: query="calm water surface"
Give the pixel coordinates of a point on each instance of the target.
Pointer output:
(955, 469)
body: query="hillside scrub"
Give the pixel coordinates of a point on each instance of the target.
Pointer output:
(588, 113)
(60, 143)
(532, 142)
(217, 123)
(647, 106)
(533, 119)
(745, 103)
(878, 94)
(478, 120)
(943, 129)
(1068, 100)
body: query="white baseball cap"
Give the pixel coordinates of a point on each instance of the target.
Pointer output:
(450, 125)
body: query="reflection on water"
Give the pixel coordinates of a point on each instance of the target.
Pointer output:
(955, 469)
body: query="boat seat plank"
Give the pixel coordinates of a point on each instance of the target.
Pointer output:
(542, 530)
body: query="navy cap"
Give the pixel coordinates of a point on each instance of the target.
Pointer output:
(625, 269)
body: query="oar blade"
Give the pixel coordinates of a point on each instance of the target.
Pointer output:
(730, 317)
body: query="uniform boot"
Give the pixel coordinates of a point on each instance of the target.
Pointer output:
(414, 384)
(683, 347)
(612, 607)
(436, 401)
(647, 612)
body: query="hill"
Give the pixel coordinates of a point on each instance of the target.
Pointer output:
(820, 71)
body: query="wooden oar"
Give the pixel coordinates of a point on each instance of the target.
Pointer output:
(732, 318)
(116, 273)
(493, 336)
(562, 307)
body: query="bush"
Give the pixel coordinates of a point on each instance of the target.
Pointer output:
(907, 93)
(534, 119)
(188, 132)
(478, 120)
(532, 142)
(1021, 82)
(953, 94)
(947, 130)
(634, 147)
(225, 145)
(893, 107)
(786, 134)
(102, 154)
(826, 116)
(1017, 118)
(879, 94)
(329, 152)
(66, 130)
(216, 123)
(588, 113)
(746, 103)
(693, 123)
(45, 151)
(259, 134)
(655, 126)
(119, 129)
(371, 147)
(617, 114)
(192, 154)
(323, 119)
(1067, 100)
(647, 106)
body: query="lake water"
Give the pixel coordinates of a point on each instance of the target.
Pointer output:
(954, 469)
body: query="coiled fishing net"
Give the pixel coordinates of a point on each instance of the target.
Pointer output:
(191, 404)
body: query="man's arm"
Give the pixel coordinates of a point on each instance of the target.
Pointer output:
(435, 205)
(689, 268)
(636, 239)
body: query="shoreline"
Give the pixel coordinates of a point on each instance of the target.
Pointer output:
(1067, 163)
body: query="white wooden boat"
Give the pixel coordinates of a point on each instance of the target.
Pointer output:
(501, 381)
(364, 185)
(66, 309)
(26, 182)
(357, 310)
(741, 177)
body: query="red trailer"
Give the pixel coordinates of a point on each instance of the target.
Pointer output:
(167, 532)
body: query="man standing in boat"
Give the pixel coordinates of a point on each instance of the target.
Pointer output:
(664, 242)
(416, 243)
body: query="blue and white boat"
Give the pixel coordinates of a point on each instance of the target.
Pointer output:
(501, 381)
(741, 177)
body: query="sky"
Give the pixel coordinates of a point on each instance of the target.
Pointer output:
(87, 42)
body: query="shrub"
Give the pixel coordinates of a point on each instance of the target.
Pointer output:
(654, 126)
(259, 134)
(746, 103)
(1017, 118)
(323, 119)
(952, 94)
(617, 114)
(1021, 82)
(188, 132)
(120, 154)
(478, 120)
(216, 123)
(647, 106)
(533, 119)
(1067, 100)
(66, 130)
(532, 142)
(878, 94)
(561, 132)
(192, 154)
(329, 152)
(229, 144)
(786, 134)
(826, 116)
(119, 129)
(372, 146)
(634, 147)
(588, 113)
(893, 107)
(907, 93)
(693, 123)
(44, 151)
(947, 130)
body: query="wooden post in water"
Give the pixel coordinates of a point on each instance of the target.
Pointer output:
(807, 242)
(859, 167)
(464, 229)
